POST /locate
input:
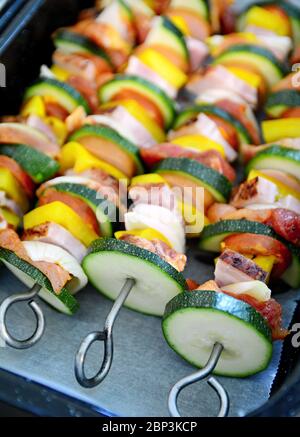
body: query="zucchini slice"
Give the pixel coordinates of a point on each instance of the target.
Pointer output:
(277, 158)
(268, 65)
(104, 210)
(197, 6)
(280, 101)
(194, 321)
(165, 32)
(110, 262)
(39, 166)
(213, 235)
(65, 94)
(72, 42)
(116, 144)
(190, 113)
(142, 86)
(292, 274)
(294, 13)
(30, 275)
(217, 184)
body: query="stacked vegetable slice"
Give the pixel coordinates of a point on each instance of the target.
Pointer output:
(257, 233)
(150, 227)
(103, 111)
(102, 154)
(26, 159)
(141, 100)
(70, 213)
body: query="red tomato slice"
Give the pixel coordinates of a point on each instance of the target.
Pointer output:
(270, 310)
(291, 113)
(238, 111)
(209, 158)
(87, 89)
(78, 205)
(54, 109)
(149, 106)
(22, 177)
(286, 223)
(192, 285)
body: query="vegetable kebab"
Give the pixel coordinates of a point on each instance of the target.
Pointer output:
(74, 209)
(257, 232)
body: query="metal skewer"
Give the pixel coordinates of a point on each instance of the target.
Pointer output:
(40, 320)
(199, 376)
(107, 337)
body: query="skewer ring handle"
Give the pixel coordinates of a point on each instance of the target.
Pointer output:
(39, 316)
(199, 376)
(105, 336)
(82, 354)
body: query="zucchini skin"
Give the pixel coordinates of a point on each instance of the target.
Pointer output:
(217, 302)
(277, 157)
(114, 245)
(91, 196)
(291, 276)
(244, 8)
(237, 226)
(288, 98)
(93, 199)
(167, 23)
(169, 26)
(192, 168)
(257, 50)
(291, 10)
(39, 166)
(276, 151)
(80, 40)
(149, 86)
(60, 86)
(221, 302)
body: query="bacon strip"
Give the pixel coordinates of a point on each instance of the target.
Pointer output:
(177, 260)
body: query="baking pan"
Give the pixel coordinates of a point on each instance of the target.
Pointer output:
(8, 10)
(25, 44)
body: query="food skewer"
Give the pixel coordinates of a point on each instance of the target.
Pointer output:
(46, 128)
(28, 297)
(199, 376)
(29, 144)
(106, 94)
(140, 77)
(107, 337)
(273, 131)
(133, 269)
